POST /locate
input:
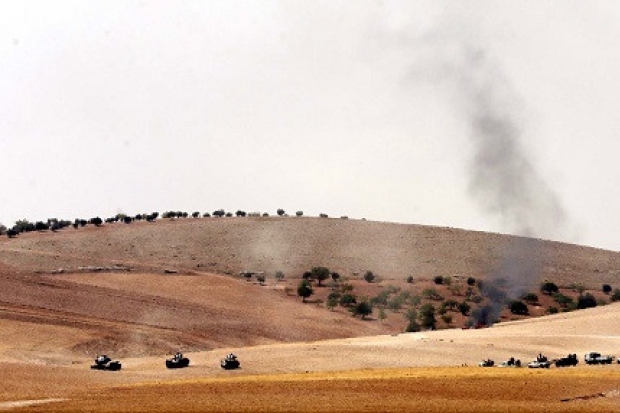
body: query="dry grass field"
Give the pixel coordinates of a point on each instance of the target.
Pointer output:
(70, 295)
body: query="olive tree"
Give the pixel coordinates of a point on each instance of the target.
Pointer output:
(304, 290)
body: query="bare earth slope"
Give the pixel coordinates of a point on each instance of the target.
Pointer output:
(294, 245)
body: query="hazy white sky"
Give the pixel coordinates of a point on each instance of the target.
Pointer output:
(487, 115)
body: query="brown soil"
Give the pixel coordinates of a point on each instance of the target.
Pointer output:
(295, 357)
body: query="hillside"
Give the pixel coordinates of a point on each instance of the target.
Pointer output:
(294, 245)
(150, 288)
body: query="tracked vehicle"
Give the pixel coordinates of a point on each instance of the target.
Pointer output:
(177, 362)
(230, 362)
(104, 362)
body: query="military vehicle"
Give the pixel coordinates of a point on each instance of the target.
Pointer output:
(511, 362)
(541, 362)
(570, 360)
(594, 357)
(177, 362)
(230, 362)
(104, 362)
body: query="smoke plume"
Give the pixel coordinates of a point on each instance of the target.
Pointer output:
(503, 180)
(502, 176)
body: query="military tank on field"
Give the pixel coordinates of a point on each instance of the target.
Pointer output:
(230, 362)
(177, 362)
(103, 362)
(568, 361)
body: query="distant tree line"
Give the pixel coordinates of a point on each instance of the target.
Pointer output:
(55, 224)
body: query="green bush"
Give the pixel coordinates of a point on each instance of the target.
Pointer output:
(549, 288)
(519, 307)
(530, 297)
(586, 301)
(363, 309)
(369, 276)
(304, 290)
(464, 308)
(432, 294)
(427, 316)
(410, 279)
(320, 274)
(447, 318)
(347, 300)
(562, 299)
(279, 275)
(412, 327)
(552, 310)
(616, 295)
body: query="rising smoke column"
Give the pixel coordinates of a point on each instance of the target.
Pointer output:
(503, 180)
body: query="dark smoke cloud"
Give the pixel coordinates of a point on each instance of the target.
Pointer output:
(503, 179)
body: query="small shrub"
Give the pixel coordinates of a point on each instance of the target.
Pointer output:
(261, 278)
(586, 301)
(562, 299)
(451, 304)
(382, 314)
(347, 300)
(552, 310)
(477, 299)
(471, 281)
(281, 212)
(447, 318)
(438, 279)
(410, 279)
(331, 303)
(615, 297)
(395, 304)
(432, 294)
(299, 213)
(427, 316)
(549, 288)
(411, 315)
(606, 288)
(464, 308)
(279, 275)
(414, 300)
(412, 327)
(363, 309)
(369, 276)
(530, 297)
(519, 308)
(304, 290)
(335, 277)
